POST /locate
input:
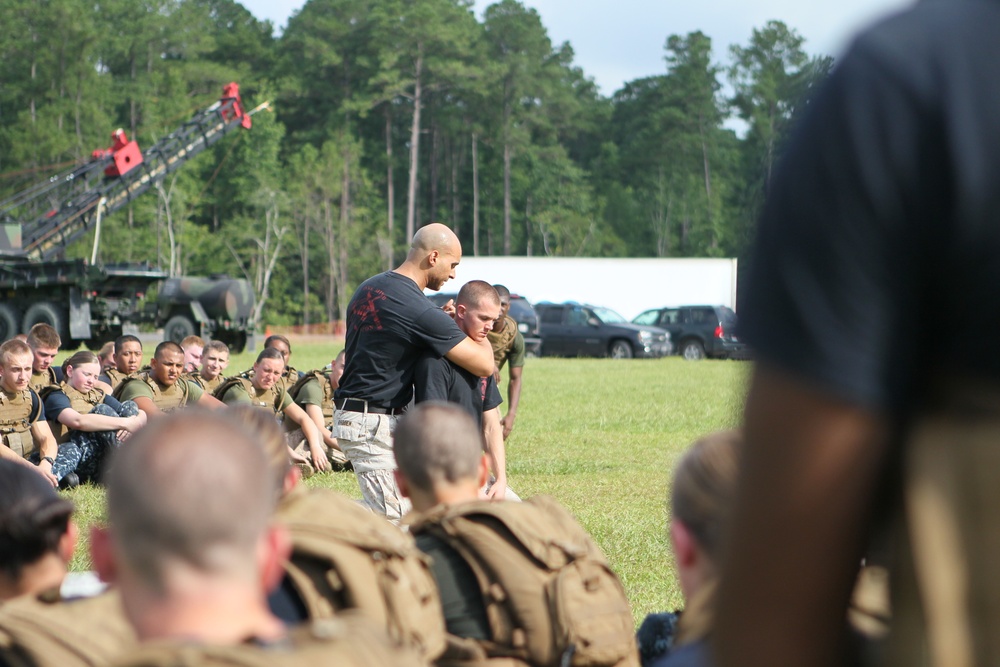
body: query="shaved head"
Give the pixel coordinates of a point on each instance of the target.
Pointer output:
(437, 443)
(433, 236)
(192, 491)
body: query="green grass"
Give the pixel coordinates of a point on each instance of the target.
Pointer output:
(602, 436)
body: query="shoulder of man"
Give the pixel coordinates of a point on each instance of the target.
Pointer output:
(47, 630)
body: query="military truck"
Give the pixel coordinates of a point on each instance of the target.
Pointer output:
(88, 302)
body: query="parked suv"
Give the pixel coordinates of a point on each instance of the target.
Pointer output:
(572, 329)
(520, 310)
(699, 331)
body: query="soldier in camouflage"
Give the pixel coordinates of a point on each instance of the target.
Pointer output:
(508, 348)
(26, 436)
(44, 342)
(314, 394)
(161, 389)
(214, 360)
(128, 359)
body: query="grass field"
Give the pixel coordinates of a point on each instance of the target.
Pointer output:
(600, 435)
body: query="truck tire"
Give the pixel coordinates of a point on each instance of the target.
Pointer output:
(45, 312)
(692, 350)
(178, 328)
(620, 349)
(10, 320)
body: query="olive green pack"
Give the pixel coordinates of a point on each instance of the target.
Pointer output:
(48, 632)
(346, 558)
(551, 597)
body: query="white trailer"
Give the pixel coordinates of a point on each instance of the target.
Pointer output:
(628, 286)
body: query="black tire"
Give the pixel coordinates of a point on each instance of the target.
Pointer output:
(45, 312)
(178, 328)
(692, 350)
(620, 349)
(236, 341)
(10, 320)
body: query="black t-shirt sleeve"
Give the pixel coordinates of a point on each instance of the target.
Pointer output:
(491, 394)
(112, 402)
(831, 290)
(60, 376)
(438, 331)
(55, 403)
(37, 408)
(461, 600)
(431, 379)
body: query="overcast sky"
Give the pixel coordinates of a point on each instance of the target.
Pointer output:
(619, 40)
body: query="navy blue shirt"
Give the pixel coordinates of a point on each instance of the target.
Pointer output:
(57, 401)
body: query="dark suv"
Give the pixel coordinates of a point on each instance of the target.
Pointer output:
(572, 330)
(699, 331)
(520, 310)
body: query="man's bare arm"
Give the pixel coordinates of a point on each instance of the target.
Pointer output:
(206, 400)
(808, 478)
(513, 399)
(477, 358)
(496, 452)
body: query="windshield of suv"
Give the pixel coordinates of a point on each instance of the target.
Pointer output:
(608, 316)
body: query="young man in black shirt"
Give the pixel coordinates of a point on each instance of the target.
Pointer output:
(880, 234)
(390, 326)
(477, 307)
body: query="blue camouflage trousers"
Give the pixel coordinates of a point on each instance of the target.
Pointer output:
(85, 451)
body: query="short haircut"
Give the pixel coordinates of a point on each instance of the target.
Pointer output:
(476, 292)
(11, 348)
(193, 340)
(43, 335)
(107, 350)
(502, 291)
(437, 442)
(264, 424)
(80, 358)
(704, 487)
(216, 346)
(167, 346)
(192, 489)
(126, 338)
(270, 353)
(33, 518)
(277, 337)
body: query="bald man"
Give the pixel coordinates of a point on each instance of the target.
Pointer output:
(390, 326)
(194, 574)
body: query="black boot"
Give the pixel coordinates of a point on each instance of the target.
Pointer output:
(70, 481)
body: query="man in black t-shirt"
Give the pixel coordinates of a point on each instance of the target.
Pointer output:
(876, 260)
(477, 307)
(390, 326)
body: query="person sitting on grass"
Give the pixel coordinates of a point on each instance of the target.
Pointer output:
(44, 342)
(193, 347)
(263, 389)
(26, 437)
(128, 360)
(88, 420)
(161, 389)
(314, 394)
(214, 360)
(38, 627)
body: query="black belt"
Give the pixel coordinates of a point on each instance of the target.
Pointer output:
(361, 405)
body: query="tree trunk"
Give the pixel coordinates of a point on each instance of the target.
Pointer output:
(331, 283)
(475, 194)
(345, 221)
(455, 202)
(411, 204)
(435, 148)
(390, 194)
(506, 197)
(305, 272)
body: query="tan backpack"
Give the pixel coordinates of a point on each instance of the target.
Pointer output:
(346, 558)
(174, 398)
(48, 632)
(327, 407)
(340, 642)
(16, 418)
(551, 597)
(270, 399)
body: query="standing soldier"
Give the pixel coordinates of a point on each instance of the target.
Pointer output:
(264, 390)
(161, 389)
(508, 348)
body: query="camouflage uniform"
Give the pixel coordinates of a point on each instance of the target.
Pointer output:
(314, 388)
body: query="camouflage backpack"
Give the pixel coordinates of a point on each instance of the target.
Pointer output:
(271, 399)
(551, 597)
(344, 642)
(49, 632)
(327, 406)
(346, 558)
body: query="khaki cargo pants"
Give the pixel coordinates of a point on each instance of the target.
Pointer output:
(366, 440)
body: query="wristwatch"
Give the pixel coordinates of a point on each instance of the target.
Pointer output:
(51, 460)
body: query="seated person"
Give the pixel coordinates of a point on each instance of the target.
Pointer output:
(314, 394)
(128, 360)
(380, 572)
(37, 626)
(44, 342)
(278, 342)
(214, 360)
(89, 420)
(161, 389)
(477, 307)
(193, 581)
(26, 436)
(107, 355)
(193, 347)
(263, 389)
(495, 561)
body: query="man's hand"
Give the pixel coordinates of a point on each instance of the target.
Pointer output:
(498, 491)
(44, 468)
(508, 423)
(319, 460)
(449, 307)
(496, 375)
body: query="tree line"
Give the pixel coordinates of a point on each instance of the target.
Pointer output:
(388, 114)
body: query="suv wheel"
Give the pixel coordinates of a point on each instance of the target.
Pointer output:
(620, 350)
(692, 350)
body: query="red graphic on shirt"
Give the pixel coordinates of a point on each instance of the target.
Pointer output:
(364, 313)
(482, 389)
